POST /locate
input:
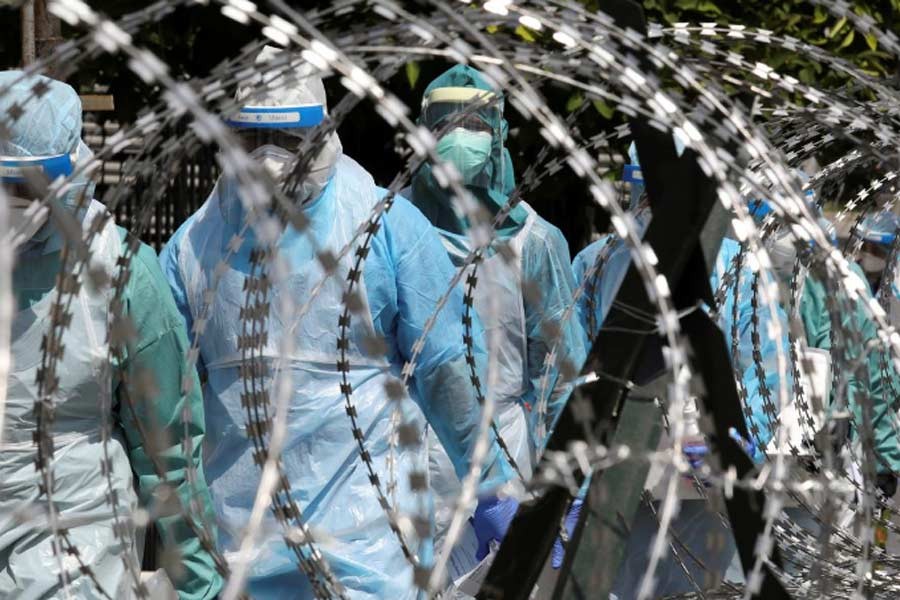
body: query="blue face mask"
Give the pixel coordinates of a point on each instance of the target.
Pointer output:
(469, 151)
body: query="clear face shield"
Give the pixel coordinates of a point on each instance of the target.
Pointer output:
(272, 135)
(24, 181)
(468, 121)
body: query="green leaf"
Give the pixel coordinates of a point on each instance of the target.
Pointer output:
(524, 33)
(412, 73)
(574, 102)
(874, 54)
(708, 7)
(830, 33)
(493, 28)
(820, 15)
(848, 39)
(605, 110)
(872, 41)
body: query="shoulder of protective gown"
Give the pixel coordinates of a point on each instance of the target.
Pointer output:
(404, 222)
(544, 241)
(585, 259)
(148, 296)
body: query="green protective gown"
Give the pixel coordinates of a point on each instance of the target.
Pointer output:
(160, 350)
(148, 379)
(90, 477)
(817, 325)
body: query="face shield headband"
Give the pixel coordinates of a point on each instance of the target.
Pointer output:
(883, 239)
(276, 125)
(301, 116)
(466, 107)
(22, 169)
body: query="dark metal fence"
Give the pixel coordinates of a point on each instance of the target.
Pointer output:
(186, 190)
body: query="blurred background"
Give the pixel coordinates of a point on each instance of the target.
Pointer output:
(193, 40)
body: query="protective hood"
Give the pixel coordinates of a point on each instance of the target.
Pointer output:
(493, 183)
(286, 80)
(49, 125)
(282, 79)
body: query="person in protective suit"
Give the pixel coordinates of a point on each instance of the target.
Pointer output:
(878, 232)
(696, 525)
(879, 385)
(405, 273)
(524, 281)
(42, 138)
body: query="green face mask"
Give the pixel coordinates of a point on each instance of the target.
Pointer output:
(469, 151)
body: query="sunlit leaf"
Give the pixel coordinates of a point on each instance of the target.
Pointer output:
(525, 33)
(830, 33)
(686, 4)
(820, 15)
(848, 39)
(708, 7)
(872, 41)
(412, 73)
(574, 102)
(605, 110)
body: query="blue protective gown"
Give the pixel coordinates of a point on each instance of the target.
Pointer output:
(695, 523)
(614, 273)
(524, 318)
(406, 272)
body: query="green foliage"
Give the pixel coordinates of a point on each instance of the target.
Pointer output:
(605, 110)
(574, 102)
(525, 33)
(799, 19)
(795, 18)
(413, 70)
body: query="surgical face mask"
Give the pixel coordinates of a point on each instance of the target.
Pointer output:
(25, 219)
(469, 151)
(274, 159)
(278, 162)
(783, 253)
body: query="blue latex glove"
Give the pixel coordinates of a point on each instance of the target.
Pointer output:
(750, 448)
(559, 552)
(491, 520)
(695, 452)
